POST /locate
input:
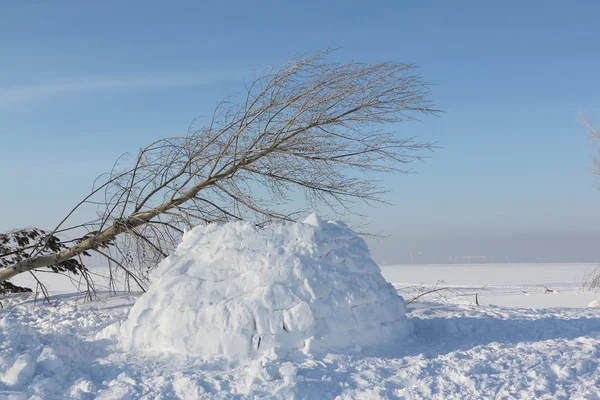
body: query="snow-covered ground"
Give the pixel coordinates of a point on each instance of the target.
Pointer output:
(509, 285)
(520, 342)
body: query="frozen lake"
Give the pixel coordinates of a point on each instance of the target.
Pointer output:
(510, 285)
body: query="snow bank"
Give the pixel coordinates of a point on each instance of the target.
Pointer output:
(237, 290)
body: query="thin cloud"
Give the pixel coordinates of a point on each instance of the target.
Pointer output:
(27, 93)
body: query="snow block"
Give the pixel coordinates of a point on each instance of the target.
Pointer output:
(237, 290)
(21, 371)
(595, 304)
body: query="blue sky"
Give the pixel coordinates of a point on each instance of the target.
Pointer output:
(83, 82)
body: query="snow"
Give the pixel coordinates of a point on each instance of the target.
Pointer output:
(509, 285)
(594, 303)
(238, 290)
(21, 371)
(544, 346)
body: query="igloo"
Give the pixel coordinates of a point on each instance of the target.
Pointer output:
(237, 290)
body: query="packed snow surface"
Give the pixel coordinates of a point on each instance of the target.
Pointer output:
(520, 342)
(456, 351)
(237, 290)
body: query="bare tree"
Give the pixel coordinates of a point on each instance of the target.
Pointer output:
(308, 127)
(591, 280)
(595, 136)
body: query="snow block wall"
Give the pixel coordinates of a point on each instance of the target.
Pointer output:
(237, 290)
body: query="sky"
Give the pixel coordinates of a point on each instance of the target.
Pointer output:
(83, 82)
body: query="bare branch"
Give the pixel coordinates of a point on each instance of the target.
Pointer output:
(306, 128)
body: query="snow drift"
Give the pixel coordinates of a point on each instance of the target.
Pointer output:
(237, 290)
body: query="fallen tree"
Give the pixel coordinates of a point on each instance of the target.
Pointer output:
(307, 127)
(14, 247)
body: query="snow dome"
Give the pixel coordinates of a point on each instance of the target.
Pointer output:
(237, 290)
